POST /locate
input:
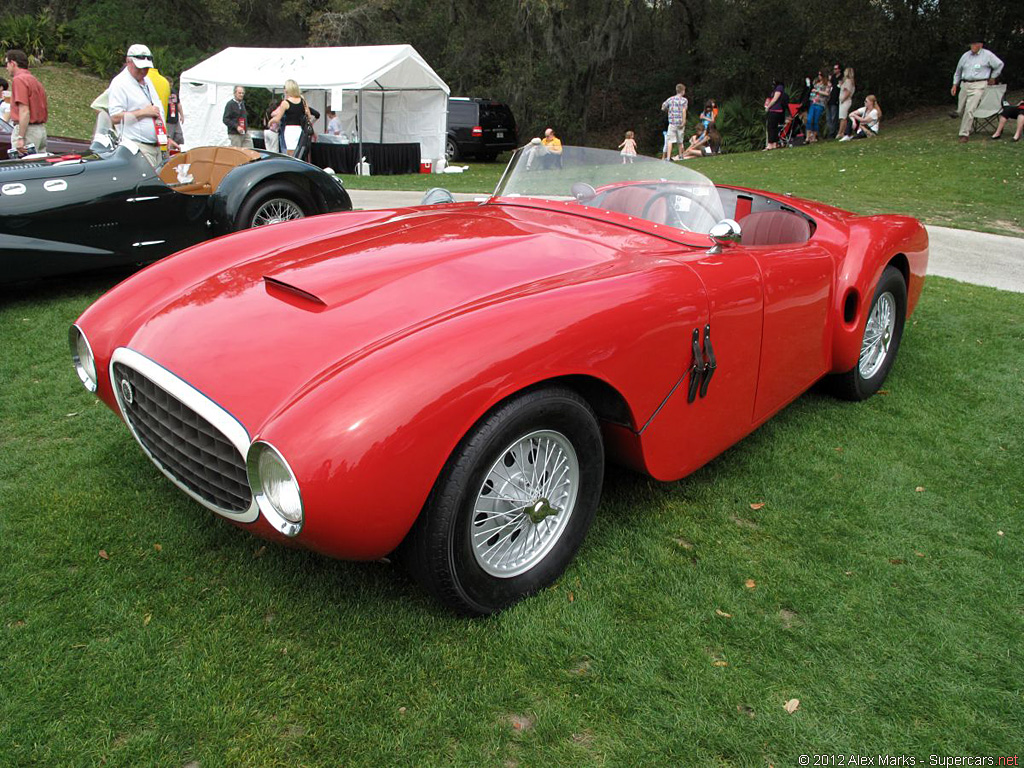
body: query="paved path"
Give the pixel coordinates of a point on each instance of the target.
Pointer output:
(971, 257)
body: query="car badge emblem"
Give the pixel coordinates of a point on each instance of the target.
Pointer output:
(127, 394)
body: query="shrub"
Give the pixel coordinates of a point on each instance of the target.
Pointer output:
(101, 57)
(24, 32)
(741, 125)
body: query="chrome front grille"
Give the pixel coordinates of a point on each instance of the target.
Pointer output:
(186, 445)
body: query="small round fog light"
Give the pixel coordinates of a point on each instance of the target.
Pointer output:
(275, 488)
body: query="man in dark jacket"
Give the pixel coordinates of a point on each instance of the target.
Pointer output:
(236, 121)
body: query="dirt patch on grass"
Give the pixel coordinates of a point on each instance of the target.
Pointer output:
(789, 619)
(1008, 226)
(521, 723)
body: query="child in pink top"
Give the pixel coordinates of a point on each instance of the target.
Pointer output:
(628, 147)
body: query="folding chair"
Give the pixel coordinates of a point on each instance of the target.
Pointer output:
(986, 116)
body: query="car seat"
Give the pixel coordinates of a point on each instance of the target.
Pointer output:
(774, 228)
(207, 165)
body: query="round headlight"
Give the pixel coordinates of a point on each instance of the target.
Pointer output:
(275, 488)
(81, 356)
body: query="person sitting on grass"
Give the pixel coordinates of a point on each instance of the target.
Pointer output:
(1011, 113)
(865, 120)
(548, 150)
(709, 142)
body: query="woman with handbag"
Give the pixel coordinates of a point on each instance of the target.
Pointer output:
(293, 116)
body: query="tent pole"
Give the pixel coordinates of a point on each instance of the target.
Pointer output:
(382, 95)
(359, 128)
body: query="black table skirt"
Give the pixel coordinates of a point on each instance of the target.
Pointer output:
(384, 159)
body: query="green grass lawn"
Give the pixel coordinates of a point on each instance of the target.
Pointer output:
(69, 92)
(885, 592)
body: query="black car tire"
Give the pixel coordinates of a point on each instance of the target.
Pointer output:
(468, 518)
(880, 342)
(268, 198)
(451, 150)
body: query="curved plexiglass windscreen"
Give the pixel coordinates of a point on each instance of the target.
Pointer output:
(653, 190)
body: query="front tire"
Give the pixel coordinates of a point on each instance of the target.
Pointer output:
(883, 332)
(272, 204)
(512, 505)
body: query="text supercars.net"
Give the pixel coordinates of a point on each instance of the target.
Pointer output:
(890, 760)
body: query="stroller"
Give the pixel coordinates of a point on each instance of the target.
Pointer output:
(793, 133)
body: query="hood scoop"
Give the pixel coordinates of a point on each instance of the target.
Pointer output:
(293, 295)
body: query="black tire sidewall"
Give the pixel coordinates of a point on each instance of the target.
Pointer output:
(266, 192)
(890, 282)
(452, 509)
(451, 150)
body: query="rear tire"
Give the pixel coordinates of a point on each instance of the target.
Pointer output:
(883, 331)
(512, 505)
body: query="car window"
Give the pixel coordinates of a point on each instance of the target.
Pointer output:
(461, 113)
(496, 116)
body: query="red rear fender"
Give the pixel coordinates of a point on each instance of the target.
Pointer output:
(875, 242)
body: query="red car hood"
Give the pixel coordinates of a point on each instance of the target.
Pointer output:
(279, 322)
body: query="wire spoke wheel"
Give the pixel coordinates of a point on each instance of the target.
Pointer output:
(276, 210)
(512, 505)
(883, 329)
(524, 504)
(878, 335)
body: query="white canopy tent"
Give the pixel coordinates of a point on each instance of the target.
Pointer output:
(386, 93)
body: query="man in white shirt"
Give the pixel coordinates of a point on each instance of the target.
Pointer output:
(135, 107)
(976, 69)
(333, 123)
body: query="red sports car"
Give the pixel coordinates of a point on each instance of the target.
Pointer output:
(448, 380)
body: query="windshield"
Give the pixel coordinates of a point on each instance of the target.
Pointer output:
(104, 137)
(642, 187)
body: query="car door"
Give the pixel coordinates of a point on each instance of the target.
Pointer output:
(712, 405)
(761, 343)
(462, 117)
(795, 341)
(157, 221)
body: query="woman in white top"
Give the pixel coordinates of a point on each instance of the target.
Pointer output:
(846, 91)
(865, 120)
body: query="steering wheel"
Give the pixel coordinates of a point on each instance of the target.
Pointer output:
(583, 191)
(671, 212)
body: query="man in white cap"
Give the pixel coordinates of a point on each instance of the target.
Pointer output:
(135, 107)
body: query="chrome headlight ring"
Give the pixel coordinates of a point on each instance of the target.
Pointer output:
(83, 358)
(275, 488)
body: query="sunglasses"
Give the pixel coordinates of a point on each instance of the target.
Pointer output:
(147, 58)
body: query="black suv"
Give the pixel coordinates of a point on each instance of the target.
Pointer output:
(479, 128)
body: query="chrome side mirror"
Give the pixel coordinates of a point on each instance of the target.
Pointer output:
(725, 232)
